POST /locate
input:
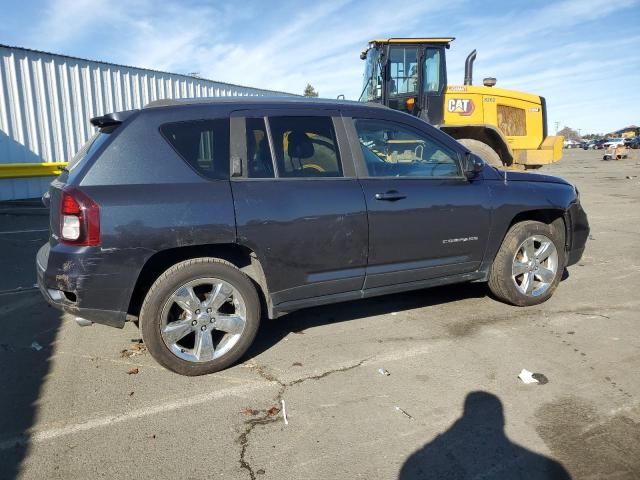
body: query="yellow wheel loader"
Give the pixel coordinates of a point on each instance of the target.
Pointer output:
(507, 128)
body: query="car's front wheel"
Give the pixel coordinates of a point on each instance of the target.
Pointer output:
(529, 264)
(200, 316)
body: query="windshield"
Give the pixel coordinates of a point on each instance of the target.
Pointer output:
(371, 85)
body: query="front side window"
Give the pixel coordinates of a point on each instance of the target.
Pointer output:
(305, 147)
(403, 71)
(432, 70)
(203, 144)
(394, 150)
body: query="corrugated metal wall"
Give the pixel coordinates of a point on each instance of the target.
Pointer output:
(46, 101)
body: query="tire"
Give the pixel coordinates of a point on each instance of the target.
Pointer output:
(510, 287)
(213, 336)
(484, 151)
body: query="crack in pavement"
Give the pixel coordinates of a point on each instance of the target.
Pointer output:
(268, 418)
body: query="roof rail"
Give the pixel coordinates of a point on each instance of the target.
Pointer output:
(165, 102)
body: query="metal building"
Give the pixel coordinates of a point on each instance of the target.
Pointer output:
(46, 101)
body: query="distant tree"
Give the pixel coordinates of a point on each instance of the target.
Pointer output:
(309, 91)
(569, 134)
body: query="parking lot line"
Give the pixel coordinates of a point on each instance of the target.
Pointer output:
(241, 390)
(24, 231)
(53, 433)
(22, 209)
(13, 291)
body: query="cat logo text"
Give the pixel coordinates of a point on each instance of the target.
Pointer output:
(462, 106)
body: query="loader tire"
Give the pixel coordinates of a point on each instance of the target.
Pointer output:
(484, 151)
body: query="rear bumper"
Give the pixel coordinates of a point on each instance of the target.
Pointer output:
(578, 233)
(64, 291)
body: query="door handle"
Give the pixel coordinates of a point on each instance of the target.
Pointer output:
(390, 196)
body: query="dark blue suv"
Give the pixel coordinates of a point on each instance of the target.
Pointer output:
(195, 217)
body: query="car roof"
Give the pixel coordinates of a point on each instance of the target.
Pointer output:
(261, 101)
(239, 103)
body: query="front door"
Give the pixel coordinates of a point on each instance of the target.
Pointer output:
(426, 220)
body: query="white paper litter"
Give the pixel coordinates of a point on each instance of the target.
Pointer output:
(284, 412)
(384, 371)
(527, 377)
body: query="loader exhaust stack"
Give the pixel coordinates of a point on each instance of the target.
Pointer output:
(468, 68)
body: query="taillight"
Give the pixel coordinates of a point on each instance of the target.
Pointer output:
(79, 218)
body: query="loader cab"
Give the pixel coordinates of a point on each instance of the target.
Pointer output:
(409, 75)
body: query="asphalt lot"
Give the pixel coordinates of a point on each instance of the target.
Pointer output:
(452, 404)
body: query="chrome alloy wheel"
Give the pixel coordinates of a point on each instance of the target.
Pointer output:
(203, 319)
(535, 265)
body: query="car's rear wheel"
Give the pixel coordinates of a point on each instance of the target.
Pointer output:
(200, 316)
(529, 264)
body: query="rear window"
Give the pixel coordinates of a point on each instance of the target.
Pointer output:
(89, 148)
(203, 144)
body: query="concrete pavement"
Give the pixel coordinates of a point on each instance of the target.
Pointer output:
(452, 404)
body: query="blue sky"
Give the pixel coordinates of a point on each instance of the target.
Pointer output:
(582, 55)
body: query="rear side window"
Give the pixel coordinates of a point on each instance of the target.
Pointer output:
(305, 147)
(89, 148)
(203, 144)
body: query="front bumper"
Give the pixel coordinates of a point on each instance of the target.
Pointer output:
(63, 291)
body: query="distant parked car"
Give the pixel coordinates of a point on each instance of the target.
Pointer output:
(571, 144)
(614, 143)
(632, 142)
(597, 144)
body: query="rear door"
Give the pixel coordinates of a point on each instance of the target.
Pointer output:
(298, 204)
(426, 220)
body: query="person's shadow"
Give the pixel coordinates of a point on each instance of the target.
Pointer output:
(476, 447)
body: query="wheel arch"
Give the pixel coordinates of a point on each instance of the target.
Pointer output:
(483, 133)
(551, 216)
(240, 256)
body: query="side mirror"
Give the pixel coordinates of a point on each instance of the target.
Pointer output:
(473, 165)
